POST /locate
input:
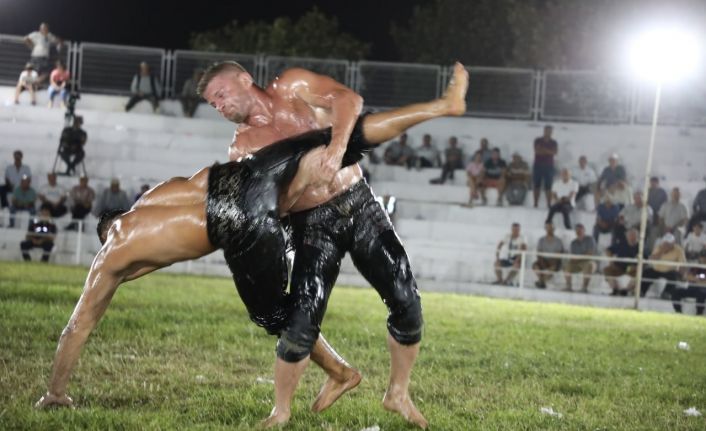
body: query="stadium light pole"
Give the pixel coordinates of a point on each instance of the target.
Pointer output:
(659, 55)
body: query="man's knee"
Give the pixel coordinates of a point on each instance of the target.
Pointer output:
(405, 322)
(297, 340)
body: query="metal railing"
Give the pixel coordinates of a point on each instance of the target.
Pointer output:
(496, 92)
(184, 63)
(390, 85)
(14, 54)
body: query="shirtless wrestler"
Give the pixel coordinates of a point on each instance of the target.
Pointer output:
(335, 214)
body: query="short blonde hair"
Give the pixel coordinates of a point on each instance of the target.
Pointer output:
(216, 69)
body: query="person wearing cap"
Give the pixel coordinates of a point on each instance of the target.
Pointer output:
(673, 215)
(518, 180)
(112, 198)
(23, 199)
(13, 175)
(81, 196)
(545, 149)
(28, 80)
(610, 176)
(697, 287)
(667, 251)
(581, 245)
(699, 210)
(145, 86)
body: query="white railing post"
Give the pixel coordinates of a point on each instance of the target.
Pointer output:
(79, 238)
(523, 259)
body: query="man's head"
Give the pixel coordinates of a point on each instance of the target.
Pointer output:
(697, 229)
(484, 143)
(51, 179)
(515, 230)
(426, 139)
(144, 188)
(226, 86)
(453, 142)
(565, 175)
(144, 69)
(548, 131)
(516, 157)
(25, 181)
(654, 182)
(676, 194)
(580, 230)
(105, 222)
(549, 228)
(583, 161)
(115, 185)
(29, 66)
(637, 197)
(44, 213)
(83, 181)
(668, 241)
(478, 157)
(403, 139)
(17, 156)
(632, 236)
(44, 28)
(613, 161)
(495, 154)
(78, 121)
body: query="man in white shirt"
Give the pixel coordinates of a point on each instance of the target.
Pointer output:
(13, 176)
(586, 178)
(695, 242)
(53, 196)
(563, 197)
(673, 215)
(514, 243)
(28, 81)
(40, 43)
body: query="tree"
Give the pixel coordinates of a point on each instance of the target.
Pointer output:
(314, 34)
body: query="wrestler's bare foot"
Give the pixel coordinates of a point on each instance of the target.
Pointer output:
(333, 389)
(276, 418)
(403, 405)
(454, 97)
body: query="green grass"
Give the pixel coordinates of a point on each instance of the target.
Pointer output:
(485, 364)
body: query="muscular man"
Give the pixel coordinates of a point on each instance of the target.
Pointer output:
(335, 214)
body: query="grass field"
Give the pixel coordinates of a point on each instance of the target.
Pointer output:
(178, 352)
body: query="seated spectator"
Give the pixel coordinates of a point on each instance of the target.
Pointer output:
(673, 215)
(697, 287)
(428, 155)
(582, 245)
(41, 233)
(112, 198)
(71, 144)
(586, 178)
(453, 160)
(518, 180)
(621, 194)
(546, 267)
(606, 218)
(666, 250)
(656, 197)
(82, 197)
(145, 86)
(627, 249)
(27, 81)
(494, 171)
(58, 84)
(699, 210)
(484, 150)
(512, 259)
(23, 199)
(189, 98)
(630, 217)
(545, 149)
(40, 42)
(474, 171)
(13, 175)
(609, 177)
(398, 153)
(142, 191)
(563, 198)
(53, 197)
(695, 242)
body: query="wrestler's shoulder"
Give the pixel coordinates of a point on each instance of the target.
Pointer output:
(292, 77)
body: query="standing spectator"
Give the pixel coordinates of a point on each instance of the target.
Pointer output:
(23, 199)
(515, 243)
(71, 144)
(518, 179)
(545, 149)
(606, 218)
(582, 245)
(673, 215)
(53, 197)
(546, 267)
(627, 249)
(427, 154)
(13, 176)
(695, 242)
(667, 251)
(58, 84)
(28, 80)
(563, 195)
(112, 198)
(398, 153)
(494, 171)
(699, 210)
(474, 171)
(41, 233)
(484, 150)
(609, 177)
(453, 160)
(142, 191)
(145, 86)
(189, 98)
(586, 177)
(697, 287)
(40, 42)
(656, 197)
(82, 197)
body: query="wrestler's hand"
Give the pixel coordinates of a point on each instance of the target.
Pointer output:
(49, 400)
(329, 163)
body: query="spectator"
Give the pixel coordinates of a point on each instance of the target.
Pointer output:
(13, 176)
(112, 198)
(673, 215)
(41, 233)
(23, 199)
(666, 250)
(53, 196)
(545, 149)
(398, 153)
(71, 144)
(656, 197)
(189, 98)
(627, 249)
(695, 242)
(142, 191)
(586, 178)
(28, 81)
(621, 194)
(40, 42)
(484, 150)
(58, 84)
(145, 86)
(518, 178)
(697, 287)
(427, 154)
(606, 218)
(563, 195)
(546, 267)
(454, 160)
(630, 217)
(609, 177)
(474, 170)
(583, 245)
(82, 197)
(515, 243)
(493, 176)
(699, 210)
